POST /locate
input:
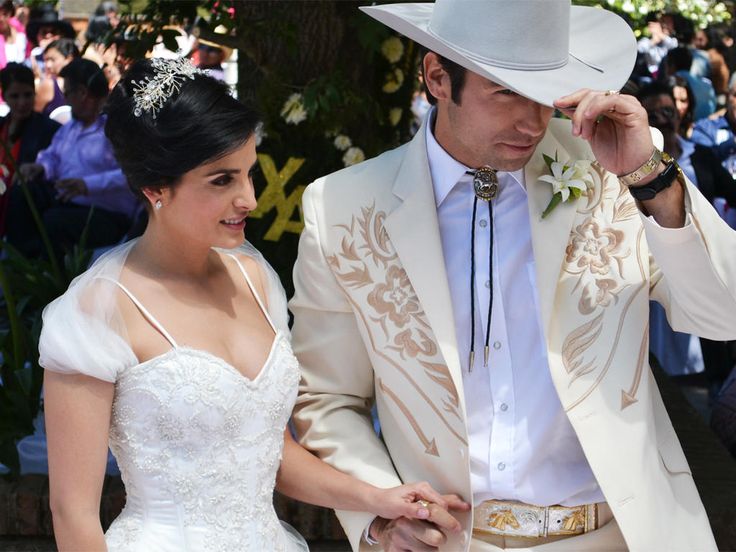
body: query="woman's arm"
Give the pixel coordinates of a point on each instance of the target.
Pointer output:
(77, 410)
(305, 477)
(44, 94)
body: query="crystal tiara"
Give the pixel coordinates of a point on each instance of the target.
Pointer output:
(151, 93)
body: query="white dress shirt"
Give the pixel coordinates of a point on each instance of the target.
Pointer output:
(522, 446)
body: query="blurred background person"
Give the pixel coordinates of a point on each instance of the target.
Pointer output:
(104, 19)
(685, 104)
(12, 41)
(674, 350)
(718, 133)
(23, 131)
(44, 26)
(49, 90)
(677, 63)
(654, 46)
(76, 178)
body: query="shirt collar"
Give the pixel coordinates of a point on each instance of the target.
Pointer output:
(447, 171)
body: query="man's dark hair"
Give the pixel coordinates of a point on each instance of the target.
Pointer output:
(455, 72)
(198, 124)
(65, 46)
(83, 72)
(16, 72)
(655, 88)
(679, 59)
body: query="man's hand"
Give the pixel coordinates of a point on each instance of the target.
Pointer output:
(617, 128)
(29, 171)
(403, 534)
(69, 188)
(615, 125)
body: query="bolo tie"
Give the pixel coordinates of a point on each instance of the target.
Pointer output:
(485, 186)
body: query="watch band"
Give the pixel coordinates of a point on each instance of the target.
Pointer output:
(646, 169)
(662, 181)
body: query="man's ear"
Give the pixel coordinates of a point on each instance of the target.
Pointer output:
(435, 77)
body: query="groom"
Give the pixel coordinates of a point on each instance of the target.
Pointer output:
(506, 351)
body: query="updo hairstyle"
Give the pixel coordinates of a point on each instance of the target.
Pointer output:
(198, 124)
(83, 72)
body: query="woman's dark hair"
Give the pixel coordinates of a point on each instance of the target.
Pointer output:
(454, 71)
(655, 88)
(16, 72)
(689, 118)
(65, 46)
(198, 124)
(83, 72)
(8, 7)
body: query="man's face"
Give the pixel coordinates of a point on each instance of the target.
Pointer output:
(491, 125)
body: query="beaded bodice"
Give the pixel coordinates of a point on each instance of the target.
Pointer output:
(200, 444)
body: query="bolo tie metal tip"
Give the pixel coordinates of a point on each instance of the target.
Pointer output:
(486, 350)
(470, 361)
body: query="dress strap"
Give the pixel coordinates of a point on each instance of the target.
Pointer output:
(253, 291)
(144, 311)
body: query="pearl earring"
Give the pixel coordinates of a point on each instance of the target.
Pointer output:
(158, 204)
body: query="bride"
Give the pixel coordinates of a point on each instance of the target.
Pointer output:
(174, 349)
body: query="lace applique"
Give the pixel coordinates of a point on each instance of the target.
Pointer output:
(208, 441)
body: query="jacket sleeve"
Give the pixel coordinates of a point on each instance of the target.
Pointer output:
(332, 416)
(693, 270)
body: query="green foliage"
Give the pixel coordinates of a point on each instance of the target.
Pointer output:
(702, 12)
(28, 285)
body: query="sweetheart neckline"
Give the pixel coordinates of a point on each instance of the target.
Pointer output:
(218, 359)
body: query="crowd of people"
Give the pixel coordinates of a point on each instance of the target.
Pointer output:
(685, 79)
(55, 77)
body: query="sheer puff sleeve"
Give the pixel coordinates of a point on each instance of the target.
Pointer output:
(83, 332)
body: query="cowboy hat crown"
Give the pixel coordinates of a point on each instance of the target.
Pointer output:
(542, 49)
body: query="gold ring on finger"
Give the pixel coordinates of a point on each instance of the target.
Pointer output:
(611, 93)
(423, 503)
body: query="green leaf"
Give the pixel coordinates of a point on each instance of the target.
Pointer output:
(575, 193)
(554, 202)
(548, 160)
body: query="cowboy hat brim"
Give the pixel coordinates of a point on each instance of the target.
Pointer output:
(602, 46)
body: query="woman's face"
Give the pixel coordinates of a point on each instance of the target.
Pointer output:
(210, 204)
(55, 62)
(681, 101)
(19, 97)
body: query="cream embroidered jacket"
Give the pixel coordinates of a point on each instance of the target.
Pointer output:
(373, 322)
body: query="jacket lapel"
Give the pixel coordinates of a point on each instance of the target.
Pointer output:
(551, 234)
(414, 232)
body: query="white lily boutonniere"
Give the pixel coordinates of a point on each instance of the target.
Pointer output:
(569, 180)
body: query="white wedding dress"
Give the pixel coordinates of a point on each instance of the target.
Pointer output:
(198, 444)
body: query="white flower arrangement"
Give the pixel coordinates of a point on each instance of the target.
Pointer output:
(394, 80)
(293, 111)
(569, 180)
(353, 156)
(342, 142)
(392, 49)
(394, 116)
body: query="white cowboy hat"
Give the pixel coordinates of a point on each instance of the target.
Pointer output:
(542, 49)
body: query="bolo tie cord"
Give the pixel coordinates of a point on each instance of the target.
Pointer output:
(486, 349)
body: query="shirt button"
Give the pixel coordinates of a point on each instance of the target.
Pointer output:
(504, 407)
(501, 466)
(488, 284)
(483, 223)
(497, 345)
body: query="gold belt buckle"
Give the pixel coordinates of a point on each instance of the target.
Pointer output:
(516, 519)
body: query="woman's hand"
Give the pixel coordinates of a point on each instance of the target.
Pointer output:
(413, 501)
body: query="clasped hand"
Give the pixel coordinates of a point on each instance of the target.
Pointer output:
(415, 517)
